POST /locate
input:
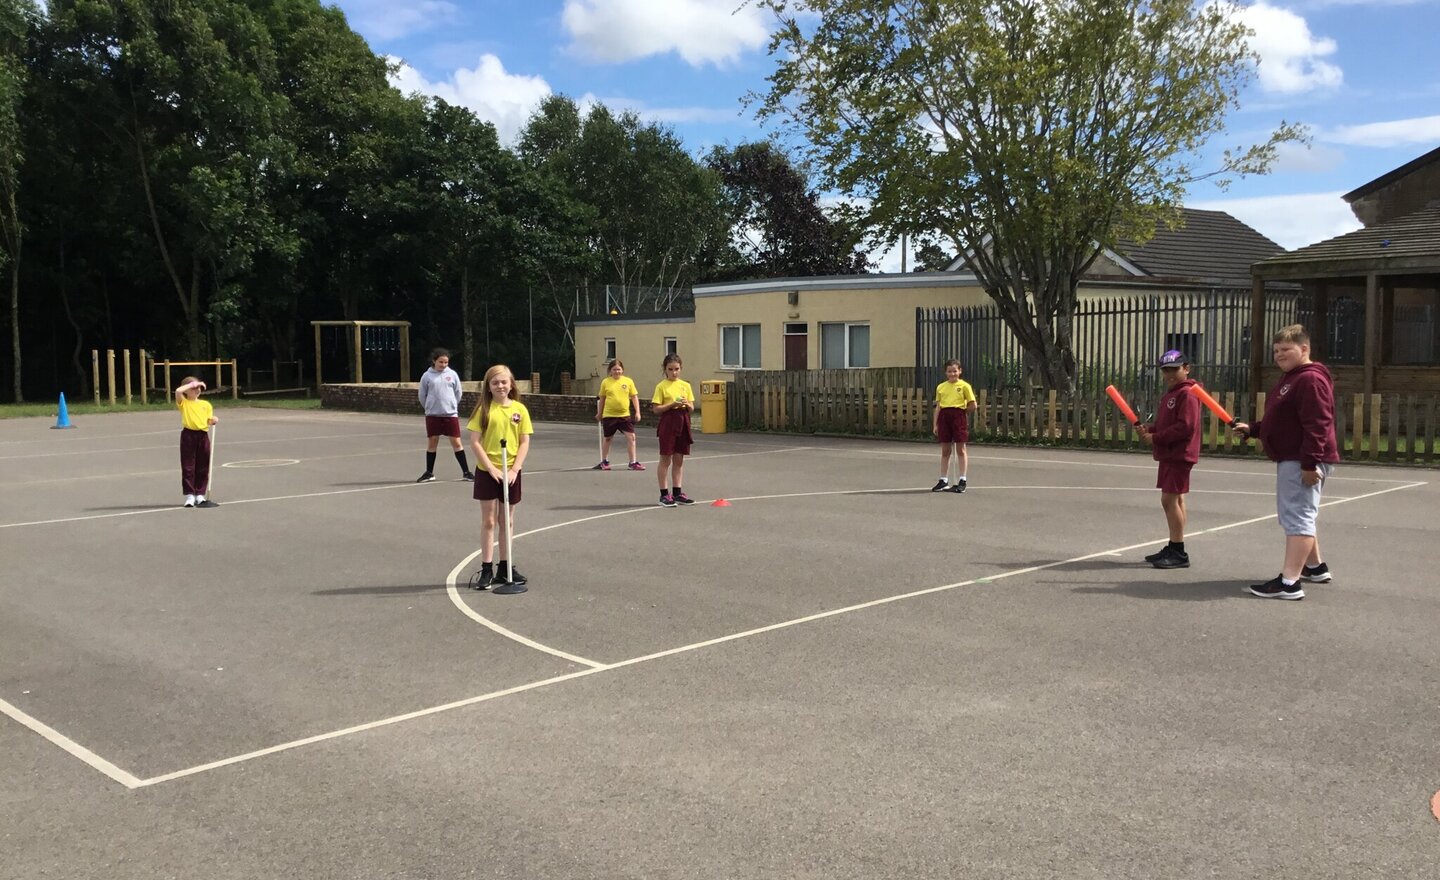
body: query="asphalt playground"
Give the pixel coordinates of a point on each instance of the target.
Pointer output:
(839, 674)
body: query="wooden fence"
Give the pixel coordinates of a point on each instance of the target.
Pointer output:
(1390, 428)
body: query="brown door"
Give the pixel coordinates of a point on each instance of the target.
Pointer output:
(795, 351)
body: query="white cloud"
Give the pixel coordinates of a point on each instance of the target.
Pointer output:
(1397, 132)
(1291, 58)
(505, 99)
(391, 20)
(700, 31)
(1290, 221)
(1312, 159)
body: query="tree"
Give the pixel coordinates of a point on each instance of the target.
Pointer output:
(16, 19)
(1030, 134)
(778, 227)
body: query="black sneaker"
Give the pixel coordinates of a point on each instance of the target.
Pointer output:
(940, 486)
(468, 477)
(426, 477)
(482, 579)
(666, 500)
(1320, 574)
(207, 503)
(503, 575)
(682, 498)
(960, 486)
(1275, 589)
(1163, 551)
(1173, 559)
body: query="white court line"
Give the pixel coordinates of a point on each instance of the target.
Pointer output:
(228, 443)
(130, 781)
(57, 738)
(826, 450)
(77, 438)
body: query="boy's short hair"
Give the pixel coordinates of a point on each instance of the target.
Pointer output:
(1295, 334)
(952, 362)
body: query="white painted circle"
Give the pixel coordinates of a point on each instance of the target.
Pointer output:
(261, 463)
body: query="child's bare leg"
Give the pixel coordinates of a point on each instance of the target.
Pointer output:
(432, 443)
(661, 470)
(945, 461)
(487, 530)
(503, 531)
(677, 463)
(605, 448)
(1298, 548)
(964, 454)
(630, 442)
(455, 444)
(1314, 558)
(1175, 515)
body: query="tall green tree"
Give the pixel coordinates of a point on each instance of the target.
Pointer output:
(1030, 133)
(17, 18)
(779, 228)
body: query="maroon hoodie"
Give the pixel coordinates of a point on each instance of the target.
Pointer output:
(1299, 423)
(1175, 436)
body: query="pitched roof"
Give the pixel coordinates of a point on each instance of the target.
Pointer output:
(1406, 244)
(1210, 244)
(1390, 177)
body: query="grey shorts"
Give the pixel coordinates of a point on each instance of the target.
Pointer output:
(1296, 503)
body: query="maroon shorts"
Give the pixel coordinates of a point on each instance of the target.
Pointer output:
(674, 433)
(487, 488)
(1174, 477)
(617, 423)
(954, 425)
(442, 426)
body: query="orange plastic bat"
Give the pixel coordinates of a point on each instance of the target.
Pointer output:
(1213, 404)
(1119, 400)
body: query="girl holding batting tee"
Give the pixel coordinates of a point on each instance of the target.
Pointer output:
(1174, 440)
(440, 395)
(617, 408)
(197, 416)
(499, 416)
(672, 401)
(954, 401)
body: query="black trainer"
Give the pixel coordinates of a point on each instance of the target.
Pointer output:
(482, 579)
(1320, 574)
(1275, 589)
(682, 498)
(1163, 551)
(940, 486)
(426, 477)
(504, 575)
(667, 500)
(468, 477)
(1173, 559)
(960, 486)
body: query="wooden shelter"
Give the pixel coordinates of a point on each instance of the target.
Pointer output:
(1374, 294)
(357, 367)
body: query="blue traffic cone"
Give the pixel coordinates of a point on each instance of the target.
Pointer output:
(64, 420)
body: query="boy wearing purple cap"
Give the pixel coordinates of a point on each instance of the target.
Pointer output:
(1174, 439)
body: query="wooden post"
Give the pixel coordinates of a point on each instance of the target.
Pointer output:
(1375, 427)
(1357, 441)
(1259, 346)
(234, 379)
(110, 373)
(359, 356)
(405, 356)
(169, 386)
(1052, 429)
(128, 400)
(1386, 330)
(145, 379)
(319, 364)
(534, 383)
(1372, 330)
(95, 370)
(1320, 323)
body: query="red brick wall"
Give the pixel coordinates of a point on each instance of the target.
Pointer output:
(402, 400)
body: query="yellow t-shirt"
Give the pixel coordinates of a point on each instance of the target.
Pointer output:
(195, 413)
(670, 391)
(617, 394)
(954, 394)
(507, 422)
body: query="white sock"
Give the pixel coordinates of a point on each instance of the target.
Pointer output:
(1286, 581)
(944, 479)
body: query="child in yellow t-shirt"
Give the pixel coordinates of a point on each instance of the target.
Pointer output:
(196, 416)
(672, 401)
(954, 401)
(617, 408)
(499, 416)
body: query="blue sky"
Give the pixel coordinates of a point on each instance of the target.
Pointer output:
(1363, 75)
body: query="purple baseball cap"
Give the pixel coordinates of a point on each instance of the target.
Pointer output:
(1173, 358)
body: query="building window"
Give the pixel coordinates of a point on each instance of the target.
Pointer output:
(609, 349)
(844, 346)
(740, 347)
(671, 347)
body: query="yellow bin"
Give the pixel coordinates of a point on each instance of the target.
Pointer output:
(712, 407)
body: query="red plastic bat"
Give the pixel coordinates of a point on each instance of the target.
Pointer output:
(1119, 400)
(1214, 405)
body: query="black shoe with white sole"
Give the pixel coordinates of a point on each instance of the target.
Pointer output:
(1275, 589)
(1319, 574)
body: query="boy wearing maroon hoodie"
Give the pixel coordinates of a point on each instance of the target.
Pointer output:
(1174, 440)
(1299, 436)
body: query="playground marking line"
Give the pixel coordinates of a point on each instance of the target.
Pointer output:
(228, 443)
(132, 782)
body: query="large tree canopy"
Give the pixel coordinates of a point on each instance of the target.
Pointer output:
(1029, 134)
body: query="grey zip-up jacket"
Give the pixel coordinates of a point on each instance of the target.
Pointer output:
(440, 392)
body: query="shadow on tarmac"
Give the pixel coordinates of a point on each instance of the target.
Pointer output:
(135, 507)
(388, 483)
(399, 590)
(1182, 591)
